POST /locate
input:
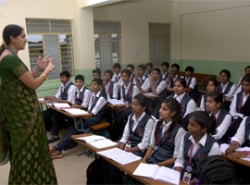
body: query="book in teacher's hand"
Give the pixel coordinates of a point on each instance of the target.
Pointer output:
(157, 172)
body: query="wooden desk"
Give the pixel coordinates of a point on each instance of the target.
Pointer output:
(238, 161)
(128, 168)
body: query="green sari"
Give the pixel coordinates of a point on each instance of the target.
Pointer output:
(30, 159)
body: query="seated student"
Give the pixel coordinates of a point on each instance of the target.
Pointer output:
(139, 77)
(214, 105)
(174, 75)
(127, 91)
(196, 144)
(192, 87)
(212, 86)
(110, 88)
(96, 73)
(148, 70)
(131, 68)
(64, 94)
(80, 100)
(96, 110)
(187, 103)
(157, 86)
(241, 138)
(164, 70)
(135, 139)
(166, 134)
(226, 87)
(239, 86)
(82, 94)
(116, 73)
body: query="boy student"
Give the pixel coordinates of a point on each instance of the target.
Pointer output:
(110, 88)
(64, 94)
(127, 91)
(116, 73)
(148, 70)
(96, 113)
(96, 73)
(164, 70)
(191, 88)
(157, 86)
(80, 100)
(139, 77)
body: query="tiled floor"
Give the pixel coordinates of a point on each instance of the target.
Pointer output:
(70, 170)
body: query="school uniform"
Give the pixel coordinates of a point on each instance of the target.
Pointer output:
(137, 132)
(96, 105)
(187, 103)
(165, 143)
(165, 75)
(161, 91)
(240, 105)
(190, 151)
(111, 90)
(116, 78)
(82, 97)
(224, 120)
(227, 89)
(64, 92)
(191, 83)
(242, 135)
(203, 102)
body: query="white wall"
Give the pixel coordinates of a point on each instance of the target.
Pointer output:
(212, 30)
(134, 18)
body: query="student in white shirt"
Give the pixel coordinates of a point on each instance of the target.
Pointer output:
(239, 86)
(212, 86)
(188, 105)
(116, 74)
(196, 144)
(166, 135)
(226, 87)
(110, 88)
(214, 105)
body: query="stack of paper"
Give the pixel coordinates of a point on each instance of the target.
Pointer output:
(75, 111)
(119, 155)
(116, 102)
(98, 141)
(61, 105)
(156, 172)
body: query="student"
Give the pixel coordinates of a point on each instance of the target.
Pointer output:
(166, 134)
(157, 86)
(241, 138)
(96, 73)
(187, 103)
(131, 68)
(135, 139)
(240, 105)
(139, 77)
(82, 93)
(116, 73)
(239, 86)
(65, 94)
(138, 128)
(164, 70)
(149, 68)
(226, 87)
(80, 100)
(192, 87)
(212, 86)
(127, 92)
(175, 71)
(110, 88)
(196, 144)
(96, 111)
(214, 104)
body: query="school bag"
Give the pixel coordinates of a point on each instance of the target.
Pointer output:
(216, 170)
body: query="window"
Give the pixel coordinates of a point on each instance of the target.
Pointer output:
(53, 38)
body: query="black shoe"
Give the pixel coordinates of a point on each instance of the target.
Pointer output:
(53, 139)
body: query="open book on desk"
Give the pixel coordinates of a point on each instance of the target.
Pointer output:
(61, 105)
(98, 141)
(157, 172)
(75, 111)
(120, 156)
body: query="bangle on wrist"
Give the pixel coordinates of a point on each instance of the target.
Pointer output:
(248, 154)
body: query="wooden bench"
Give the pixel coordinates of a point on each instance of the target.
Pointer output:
(100, 126)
